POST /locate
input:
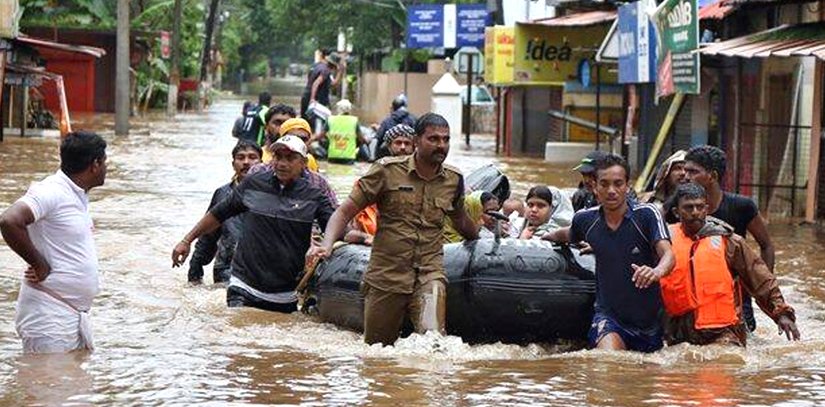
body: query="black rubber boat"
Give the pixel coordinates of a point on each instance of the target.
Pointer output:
(512, 291)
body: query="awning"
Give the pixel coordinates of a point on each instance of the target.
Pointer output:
(81, 49)
(716, 10)
(800, 40)
(578, 19)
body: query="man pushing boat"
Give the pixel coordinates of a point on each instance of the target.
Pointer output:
(414, 195)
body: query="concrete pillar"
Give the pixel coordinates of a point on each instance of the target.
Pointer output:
(122, 70)
(446, 101)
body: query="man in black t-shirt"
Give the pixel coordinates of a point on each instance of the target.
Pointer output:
(706, 165)
(320, 81)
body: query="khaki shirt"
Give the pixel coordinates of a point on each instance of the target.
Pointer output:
(411, 211)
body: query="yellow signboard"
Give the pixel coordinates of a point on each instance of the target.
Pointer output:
(499, 46)
(548, 55)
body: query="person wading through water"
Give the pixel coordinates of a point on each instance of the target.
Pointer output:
(702, 294)
(706, 165)
(220, 244)
(632, 249)
(50, 229)
(279, 208)
(414, 194)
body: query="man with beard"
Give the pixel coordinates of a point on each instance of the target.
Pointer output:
(220, 244)
(713, 266)
(279, 208)
(706, 166)
(398, 115)
(414, 193)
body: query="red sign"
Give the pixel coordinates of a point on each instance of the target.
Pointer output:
(165, 50)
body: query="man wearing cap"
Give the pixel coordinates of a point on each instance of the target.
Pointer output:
(320, 81)
(298, 127)
(584, 197)
(279, 209)
(399, 140)
(415, 194)
(398, 115)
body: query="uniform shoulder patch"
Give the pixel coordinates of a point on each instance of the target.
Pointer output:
(452, 168)
(392, 160)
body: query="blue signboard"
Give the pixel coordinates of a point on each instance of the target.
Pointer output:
(425, 26)
(446, 26)
(472, 18)
(637, 45)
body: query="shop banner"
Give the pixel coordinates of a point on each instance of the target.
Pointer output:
(548, 55)
(499, 47)
(677, 26)
(637, 44)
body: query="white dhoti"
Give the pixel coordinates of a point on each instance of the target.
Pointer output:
(49, 324)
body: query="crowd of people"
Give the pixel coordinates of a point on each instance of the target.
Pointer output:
(672, 264)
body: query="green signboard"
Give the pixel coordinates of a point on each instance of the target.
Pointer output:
(677, 27)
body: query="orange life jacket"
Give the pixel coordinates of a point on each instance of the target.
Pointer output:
(701, 281)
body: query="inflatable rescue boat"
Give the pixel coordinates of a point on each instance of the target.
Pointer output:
(512, 291)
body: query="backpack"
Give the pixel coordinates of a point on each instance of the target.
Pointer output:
(252, 124)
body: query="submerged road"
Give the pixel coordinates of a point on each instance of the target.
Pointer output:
(162, 342)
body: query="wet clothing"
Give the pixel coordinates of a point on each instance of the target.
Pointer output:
(407, 257)
(62, 233)
(738, 211)
(385, 312)
(218, 245)
(400, 116)
(633, 339)
(239, 297)
(633, 242)
(409, 239)
(748, 272)
(276, 229)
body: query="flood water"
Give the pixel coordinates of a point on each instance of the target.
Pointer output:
(161, 342)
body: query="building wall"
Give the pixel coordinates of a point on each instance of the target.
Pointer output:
(378, 89)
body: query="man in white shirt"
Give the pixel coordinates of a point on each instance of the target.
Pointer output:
(50, 229)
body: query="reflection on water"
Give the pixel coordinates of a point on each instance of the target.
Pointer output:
(162, 342)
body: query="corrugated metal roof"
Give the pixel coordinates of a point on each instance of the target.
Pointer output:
(717, 10)
(578, 19)
(799, 40)
(83, 49)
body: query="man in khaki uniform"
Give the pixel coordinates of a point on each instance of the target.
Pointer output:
(414, 194)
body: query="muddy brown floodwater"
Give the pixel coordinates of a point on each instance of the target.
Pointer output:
(161, 342)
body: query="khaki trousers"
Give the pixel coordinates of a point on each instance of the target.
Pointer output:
(385, 311)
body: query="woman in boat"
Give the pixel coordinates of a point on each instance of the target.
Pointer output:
(548, 209)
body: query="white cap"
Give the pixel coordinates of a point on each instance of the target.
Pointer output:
(343, 106)
(293, 143)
